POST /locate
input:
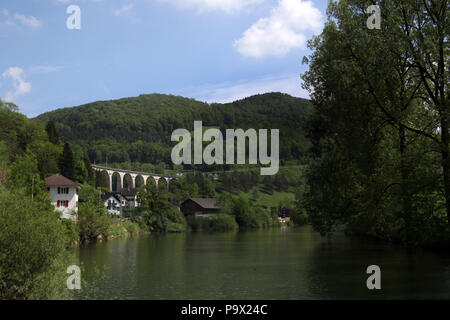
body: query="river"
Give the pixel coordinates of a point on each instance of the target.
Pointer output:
(276, 263)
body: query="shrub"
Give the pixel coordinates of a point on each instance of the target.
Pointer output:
(131, 227)
(244, 214)
(33, 255)
(218, 222)
(94, 222)
(71, 231)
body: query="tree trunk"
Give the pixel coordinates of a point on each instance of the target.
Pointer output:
(406, 201)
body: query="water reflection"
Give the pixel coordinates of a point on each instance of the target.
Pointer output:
(276, 263)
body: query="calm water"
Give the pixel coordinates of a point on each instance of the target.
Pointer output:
(278, 263)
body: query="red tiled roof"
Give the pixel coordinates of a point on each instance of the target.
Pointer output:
(58, 180)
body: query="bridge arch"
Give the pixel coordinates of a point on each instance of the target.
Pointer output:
(151, 183)
(163, 184)
(128, 182)
(116, 181)
(103, 179)
(139, 181)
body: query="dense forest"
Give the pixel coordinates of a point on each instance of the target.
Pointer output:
(138, 130)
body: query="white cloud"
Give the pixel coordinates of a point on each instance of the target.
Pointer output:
(19, 84)
(30, 21)
(123, 10)
(285, 29)
(232, 91)
(227, 6)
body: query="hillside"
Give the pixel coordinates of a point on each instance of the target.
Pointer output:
(138, 129)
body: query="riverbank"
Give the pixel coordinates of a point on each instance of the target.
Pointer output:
(104, 228)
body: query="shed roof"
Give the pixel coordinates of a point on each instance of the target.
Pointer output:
(206, 203)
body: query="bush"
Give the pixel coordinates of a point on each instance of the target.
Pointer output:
(244, 214)
(131, 227)
(219, 222)
(264, 218)
(94, 222)
(160, 215)
(117, 230)
(166, 219)
(71, 231)
(33, 255)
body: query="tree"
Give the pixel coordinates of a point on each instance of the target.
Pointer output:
(381, 101)
(160, 214)
(23, 175)
(244, 214)
(66, 162)
(9, 105)
(52, 132)
(90, 171)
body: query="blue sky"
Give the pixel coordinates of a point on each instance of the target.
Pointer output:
(211, 50)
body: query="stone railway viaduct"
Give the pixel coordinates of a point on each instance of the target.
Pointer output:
(134, 175)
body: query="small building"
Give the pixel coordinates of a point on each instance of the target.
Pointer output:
(63, 195)
(200, 207)
(131, 197)
(112, 203)
(123, 201)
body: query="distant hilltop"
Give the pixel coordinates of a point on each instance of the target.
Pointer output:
(138, 129)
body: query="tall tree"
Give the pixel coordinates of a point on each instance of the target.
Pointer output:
(381, 102)
(52, 132)
(91, 173)
(66, 162)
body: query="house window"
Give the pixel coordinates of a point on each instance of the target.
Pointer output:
(62, 203)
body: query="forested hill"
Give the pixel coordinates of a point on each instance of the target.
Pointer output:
(138, 129)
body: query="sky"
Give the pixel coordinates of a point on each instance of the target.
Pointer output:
(210, 50)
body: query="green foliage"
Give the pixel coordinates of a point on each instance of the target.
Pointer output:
(244, 214)
(71, 231)
(66, 163)
(131, 227)
(217, 222)
(24, 175)
(380, 162)
(159, 214)
(33, 259)
(94, 222)
(138, 130)
(51, 132)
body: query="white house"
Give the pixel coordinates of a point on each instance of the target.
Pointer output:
(112, 204)
(64, 195)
